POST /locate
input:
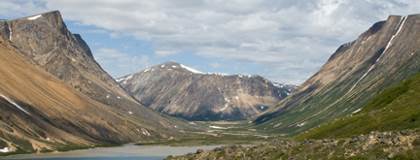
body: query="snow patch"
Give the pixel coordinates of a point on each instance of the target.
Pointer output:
(227, 100)
(219, 74)
(174, 66)
(301, 124)
(146, 70)
(162, 66)
(356, 111)
(217, 127)
(118, 97)
(236, 97)
(224, 108)
(10, 32)
(145, 132)
(400, 26)
(34, 17)
(278, 85)
(244, 75)
(277, 125)
(124, 79)
(15, 104)
(130, 113)
(191, 69)
(5, 150)
(107, 96)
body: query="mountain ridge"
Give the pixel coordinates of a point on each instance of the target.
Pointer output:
(179, 90)
(354, 73)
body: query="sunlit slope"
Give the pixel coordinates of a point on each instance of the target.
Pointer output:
(40, 112)
(46, 42)
(396, 108)
(382, 56)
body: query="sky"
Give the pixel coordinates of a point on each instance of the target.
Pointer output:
(283, 40)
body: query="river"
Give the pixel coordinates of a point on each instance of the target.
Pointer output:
(126, 152)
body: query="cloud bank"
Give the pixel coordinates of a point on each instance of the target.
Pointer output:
(291, 38)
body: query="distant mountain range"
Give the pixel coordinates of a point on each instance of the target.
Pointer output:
(182, 91)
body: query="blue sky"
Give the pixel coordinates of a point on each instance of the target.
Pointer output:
(283, 40)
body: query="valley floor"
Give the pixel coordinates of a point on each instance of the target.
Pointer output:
(375, 145)
(216, 132)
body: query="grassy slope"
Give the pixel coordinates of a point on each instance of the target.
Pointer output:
(396, 108)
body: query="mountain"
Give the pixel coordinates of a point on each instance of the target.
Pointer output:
(396, 108)
(181, 91)
(46, 42)
(55, 96)
(382, 56)
(41, 113)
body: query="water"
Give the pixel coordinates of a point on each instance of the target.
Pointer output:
(127, 152)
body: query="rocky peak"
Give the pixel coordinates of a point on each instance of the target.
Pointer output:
(45, 41)
(182, 91)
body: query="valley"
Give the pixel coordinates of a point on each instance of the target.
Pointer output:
(58, 102)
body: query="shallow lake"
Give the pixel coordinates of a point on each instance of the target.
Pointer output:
(126, 152)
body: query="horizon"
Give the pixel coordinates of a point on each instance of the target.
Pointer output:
(273, 45)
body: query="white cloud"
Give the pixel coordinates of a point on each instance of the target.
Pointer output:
(117, 62)
(287, 36)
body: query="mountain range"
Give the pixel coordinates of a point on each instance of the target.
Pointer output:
(55, 96)
(178, 90)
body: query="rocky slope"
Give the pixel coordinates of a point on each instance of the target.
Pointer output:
(41, 113)
(54, 96)
(375, 145)
(178, 90)
(384, 55)
(46, 42)
(396, 108)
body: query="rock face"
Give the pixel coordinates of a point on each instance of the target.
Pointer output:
(181, 91)
(382, 56)
(67, 93)
(45, 41)
(41, 113)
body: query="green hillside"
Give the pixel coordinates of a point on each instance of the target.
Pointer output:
(396, 108)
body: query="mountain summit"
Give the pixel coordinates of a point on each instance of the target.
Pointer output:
(182, 91)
